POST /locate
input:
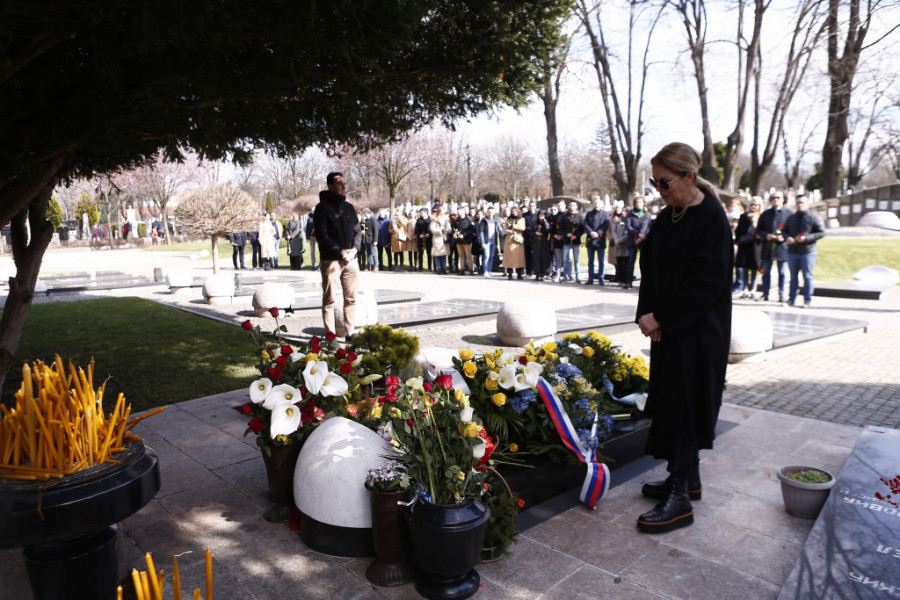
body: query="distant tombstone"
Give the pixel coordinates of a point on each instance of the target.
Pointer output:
(272, 295)
(85, 226)
(179, 279)
(218, 289)
(366, 311)
(751, 334)
(329, 486)
(522, 321)
(40, 287)
(877, 274)
(881, 219)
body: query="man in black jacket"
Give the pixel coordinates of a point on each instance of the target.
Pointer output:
(422, 231)
(770, 229)
(596, 224)
(339, 237)
(801, 231)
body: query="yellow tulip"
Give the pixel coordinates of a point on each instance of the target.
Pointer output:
(466, 354)
(499, 399)
(470, 368)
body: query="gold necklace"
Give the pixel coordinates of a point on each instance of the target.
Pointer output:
(676, 216)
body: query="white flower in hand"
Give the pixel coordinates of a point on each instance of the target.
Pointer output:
(260, 389)
(281, 393)
(285, 419)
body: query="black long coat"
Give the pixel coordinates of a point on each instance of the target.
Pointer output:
(686, 282)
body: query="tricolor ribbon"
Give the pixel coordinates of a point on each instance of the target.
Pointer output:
(596, 482)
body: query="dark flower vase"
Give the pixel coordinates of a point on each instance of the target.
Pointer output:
(389, 536)
(280, 475)
(446, 545)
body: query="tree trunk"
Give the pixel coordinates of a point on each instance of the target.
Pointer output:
(215, 253)
(550, 101)
(27, 255)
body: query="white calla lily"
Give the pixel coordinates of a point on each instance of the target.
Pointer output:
(505, 358)
(416, 383)
(467, 414)
(260, 389)
(314, 375)
(334, 385)
(507, 377)
(285, 419)
(522, 382)
(532, 373)
(281, 393)
(297, 356)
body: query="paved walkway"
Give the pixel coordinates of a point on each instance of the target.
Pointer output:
(800, 404)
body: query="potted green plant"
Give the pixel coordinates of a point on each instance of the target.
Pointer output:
(805, 489)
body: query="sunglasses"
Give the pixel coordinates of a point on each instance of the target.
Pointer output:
(663, 184)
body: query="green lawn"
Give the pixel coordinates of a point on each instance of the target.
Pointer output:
(840, 257)
(152, 353)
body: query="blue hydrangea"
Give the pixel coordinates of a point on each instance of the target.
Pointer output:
(605, 426)
(589, 442)
(522, 401)
(566, 370)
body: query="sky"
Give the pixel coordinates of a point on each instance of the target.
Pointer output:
(671, 106)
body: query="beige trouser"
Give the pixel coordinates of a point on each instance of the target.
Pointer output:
(335, 274)
(465, 257)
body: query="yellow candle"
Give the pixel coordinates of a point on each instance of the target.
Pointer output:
(151, 576)
(176, 580)
(119, 593)
(138, 588)
(29, 414)
(209, 583)
(197, 594)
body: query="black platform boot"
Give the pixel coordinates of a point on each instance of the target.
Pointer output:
(658, 489)
(673, 511)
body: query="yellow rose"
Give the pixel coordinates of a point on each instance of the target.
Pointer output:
(549, 347)
(491, 384)
(466, 354)
(461, 398)
(472, 430)
(513, 447)
(265, 355)
(470, 368)
(460, 475)
(530, 357)
(499, 399)
(588, 351)
(571, 337)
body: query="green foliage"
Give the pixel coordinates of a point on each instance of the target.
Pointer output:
(54, 212)
(142, 230)
(384, 348)
(270, 203)
(501, 531)
(810, 476)
(841, 257)
(86, 204)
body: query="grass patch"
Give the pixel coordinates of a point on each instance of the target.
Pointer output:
(152, 353)
(841, 257)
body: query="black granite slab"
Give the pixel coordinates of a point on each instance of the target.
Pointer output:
(382, 297)
(101, 280)
(594, 316)
(443, 310)
(790, 328)
(853, 550)
(851, 289)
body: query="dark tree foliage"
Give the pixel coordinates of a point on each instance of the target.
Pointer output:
(95, 86)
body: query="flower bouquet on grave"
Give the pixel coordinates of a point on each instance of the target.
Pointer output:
(301, 384)
(628, 381)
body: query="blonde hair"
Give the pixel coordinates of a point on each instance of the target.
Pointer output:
(681, 158)
(754, 214)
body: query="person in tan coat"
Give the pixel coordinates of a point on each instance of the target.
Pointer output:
(399, 237)
(514, 247)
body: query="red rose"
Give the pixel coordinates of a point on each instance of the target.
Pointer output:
(303, 390)
(274, 373)
(308, 412)
(316, 348)
(409, 422)
(392, 380)
(256, 424)
(247, 325)
(329, 335)
(273, 311)
(281, 361)
(286, 350)
(427, 387)
(444, 381)
(341, 354)
(315, 341)
(346, 368)
(523, 360)
(246, 408)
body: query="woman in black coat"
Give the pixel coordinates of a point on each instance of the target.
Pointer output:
(749, 248)
(684, 307)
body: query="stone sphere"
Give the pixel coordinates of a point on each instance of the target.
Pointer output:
(218, 289)
(366, 311)
(877, 274)
(272, 294)
(751, 334)
(330, 477)
(179, 278)
(522, 321)
(882, 219)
